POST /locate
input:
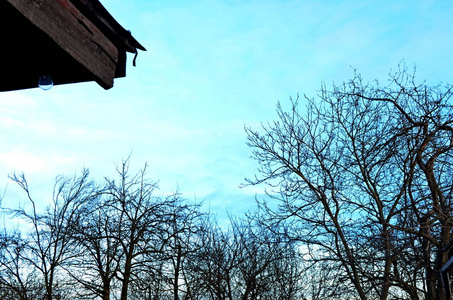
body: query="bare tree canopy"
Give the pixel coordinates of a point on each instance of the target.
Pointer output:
(362, 174)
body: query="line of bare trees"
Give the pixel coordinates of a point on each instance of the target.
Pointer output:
(123, 240)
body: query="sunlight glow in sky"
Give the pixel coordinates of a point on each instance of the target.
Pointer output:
(212, 67)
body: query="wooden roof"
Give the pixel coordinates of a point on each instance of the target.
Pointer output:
(70, 40)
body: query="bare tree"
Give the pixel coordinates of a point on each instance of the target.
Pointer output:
(141, 218)
(97, 259)
(165, 274)
(268, 265)
(47, 245)
(184, 228)
(214, 266)
(16, 280)
(364, 175)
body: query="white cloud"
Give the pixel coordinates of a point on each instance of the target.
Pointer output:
(30, 163)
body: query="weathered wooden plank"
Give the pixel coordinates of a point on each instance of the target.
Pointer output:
(75, 34)
(129, 43)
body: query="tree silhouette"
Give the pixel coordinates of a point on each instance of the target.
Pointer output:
(363, 175)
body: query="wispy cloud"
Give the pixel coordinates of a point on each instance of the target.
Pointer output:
(211, 68)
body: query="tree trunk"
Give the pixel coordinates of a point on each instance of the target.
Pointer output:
(126, 279)
(106, 291)
(388, 265)
(177, 269)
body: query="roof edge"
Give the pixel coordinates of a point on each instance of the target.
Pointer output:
(107, 23)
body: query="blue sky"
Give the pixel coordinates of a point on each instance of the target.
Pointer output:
(212, 67)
